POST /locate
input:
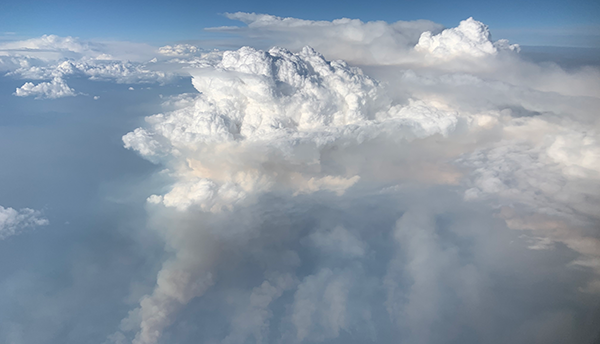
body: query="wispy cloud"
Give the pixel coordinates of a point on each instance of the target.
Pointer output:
(14, 221)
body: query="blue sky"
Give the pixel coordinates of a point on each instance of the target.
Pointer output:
(555, 22)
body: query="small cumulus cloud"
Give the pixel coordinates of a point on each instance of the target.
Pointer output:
(57, 88)
(179, 50)
(13, 221)
(55, 58)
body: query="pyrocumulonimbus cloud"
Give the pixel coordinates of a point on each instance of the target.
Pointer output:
(382, 208)
(361, 182)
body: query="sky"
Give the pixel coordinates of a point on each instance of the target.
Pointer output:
(241, 173)
(555, 22)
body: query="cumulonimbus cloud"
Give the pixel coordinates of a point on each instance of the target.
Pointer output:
(358, 182)
(351, 199)
(305, 199)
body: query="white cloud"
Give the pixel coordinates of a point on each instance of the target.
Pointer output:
(470, 38)
(179, 50)
(375, 42)
(119, 71)
(444, 149)
(53, 47)
(372, 43)
(293, 105)
(13, 221)
(55, 58)
(49, 46)
(539, 186)
(57, 88)
(533, 168)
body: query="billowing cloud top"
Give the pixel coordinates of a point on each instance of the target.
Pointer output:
(373, 42)
(349, 39)
(288, 103)
(471, 37)
(257, 95)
